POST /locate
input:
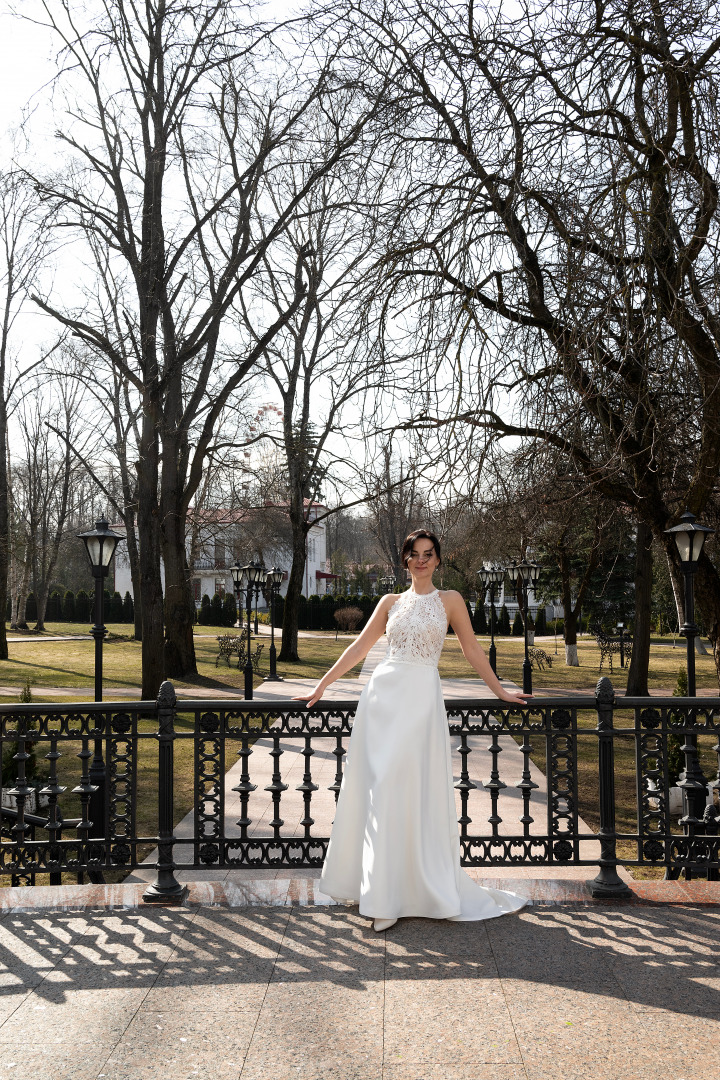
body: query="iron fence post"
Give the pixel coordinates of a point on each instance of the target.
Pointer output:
(608, 883)
(166, 889)
(99, 824)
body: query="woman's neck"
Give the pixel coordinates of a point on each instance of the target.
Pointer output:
(424, 588)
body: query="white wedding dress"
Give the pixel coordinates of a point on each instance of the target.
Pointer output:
(394, 846)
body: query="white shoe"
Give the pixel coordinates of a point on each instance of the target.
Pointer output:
(383, 924)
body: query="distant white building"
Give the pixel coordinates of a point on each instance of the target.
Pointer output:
(221, 539)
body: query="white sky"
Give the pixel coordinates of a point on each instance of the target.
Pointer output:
(26, 61)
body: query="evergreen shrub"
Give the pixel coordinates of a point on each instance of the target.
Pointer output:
(216, 610)
(68, 612)
(53, 608)
(83, 606)
(229, 611)
(480, 620)
(517, 627)
(128, 609)
(205, 615)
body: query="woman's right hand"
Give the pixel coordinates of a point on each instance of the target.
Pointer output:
(312, 696)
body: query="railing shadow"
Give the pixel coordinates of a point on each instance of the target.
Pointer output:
(652, 957)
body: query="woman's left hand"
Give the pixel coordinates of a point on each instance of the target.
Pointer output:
(514, 699)
(311, 697)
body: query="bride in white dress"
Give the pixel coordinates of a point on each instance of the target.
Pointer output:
(394, 846)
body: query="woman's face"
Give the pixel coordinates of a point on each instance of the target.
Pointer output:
(423, 561)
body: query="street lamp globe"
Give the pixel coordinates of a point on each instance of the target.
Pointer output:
(689, 537)
(533, 570)
(100, 544)
(254, 572)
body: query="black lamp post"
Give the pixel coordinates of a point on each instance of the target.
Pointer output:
(273, 579)
(238, 576)
(525, 572)
(100, 544)
(689, 539)
(259, 582)
(251, 573)
(387, 583)
(491, 576)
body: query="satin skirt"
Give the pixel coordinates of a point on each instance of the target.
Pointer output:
(394, 846)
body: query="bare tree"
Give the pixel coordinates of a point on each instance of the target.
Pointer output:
(43, 487)
(24, 246)
(559, 220)
(170, 129)
(395, 511)
(321, 364)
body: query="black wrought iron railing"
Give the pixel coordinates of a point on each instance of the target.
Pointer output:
(257, 791)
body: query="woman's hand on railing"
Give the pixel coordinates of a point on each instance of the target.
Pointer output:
(312, 696)
(514, 698)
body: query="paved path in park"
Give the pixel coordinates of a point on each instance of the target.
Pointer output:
(305, 992)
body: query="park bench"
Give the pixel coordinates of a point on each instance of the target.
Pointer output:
(609, 646)
(255, 658)
(228, 645)
(540, 658)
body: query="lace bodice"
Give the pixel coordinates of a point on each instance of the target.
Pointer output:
(416, 628)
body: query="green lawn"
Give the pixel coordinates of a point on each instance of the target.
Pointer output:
(70, 663)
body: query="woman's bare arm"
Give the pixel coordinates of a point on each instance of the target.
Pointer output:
(473, 650)
(355, 652)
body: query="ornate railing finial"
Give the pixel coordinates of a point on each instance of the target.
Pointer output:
(167, 698)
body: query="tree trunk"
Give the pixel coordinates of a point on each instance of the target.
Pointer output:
(150, 580)
(676, 580)
(134, 560)
(4, 526)
(291, 611)
(570, 615)
(180, 658)
(707, 594)
(23, 595)
(41, 599)
(637, 683)
(571, 652)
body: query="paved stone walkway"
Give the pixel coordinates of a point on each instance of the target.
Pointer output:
(313, 993)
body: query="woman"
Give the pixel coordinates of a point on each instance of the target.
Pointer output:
(394, 846)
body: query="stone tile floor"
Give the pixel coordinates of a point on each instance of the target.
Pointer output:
(295, 988)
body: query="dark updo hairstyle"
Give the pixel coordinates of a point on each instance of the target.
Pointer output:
(419, 534)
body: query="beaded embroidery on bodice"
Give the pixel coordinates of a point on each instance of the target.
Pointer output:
(416, 628)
